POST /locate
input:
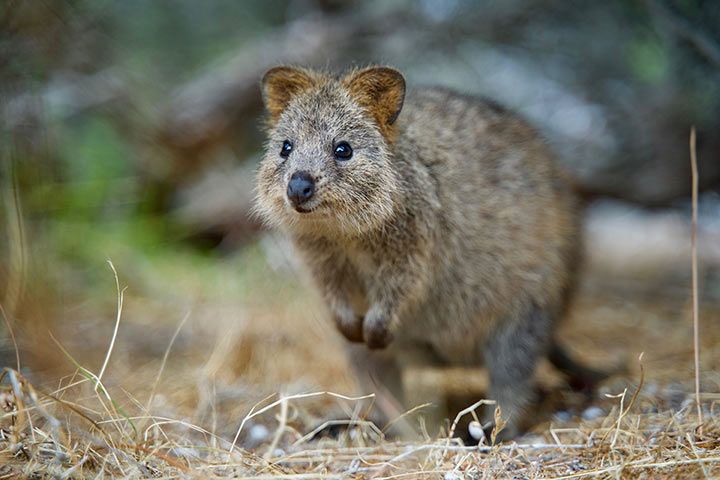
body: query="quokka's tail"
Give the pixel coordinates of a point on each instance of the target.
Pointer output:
(580, 377)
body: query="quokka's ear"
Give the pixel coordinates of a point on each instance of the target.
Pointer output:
(381, 90)
(281, 84)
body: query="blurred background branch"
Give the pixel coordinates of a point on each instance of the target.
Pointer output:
(685, 29)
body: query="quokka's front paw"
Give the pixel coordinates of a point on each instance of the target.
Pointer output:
(352, 331)
(350, 326)
(376, 330)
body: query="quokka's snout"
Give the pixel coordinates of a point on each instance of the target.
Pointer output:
(301, 188)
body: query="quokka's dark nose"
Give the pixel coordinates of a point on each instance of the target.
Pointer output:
(300, 188)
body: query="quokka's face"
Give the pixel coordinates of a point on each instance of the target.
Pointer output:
(327, 167)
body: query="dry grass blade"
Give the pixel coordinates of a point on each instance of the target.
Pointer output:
(12, 336)
(695, 302)
(17, 245)
(120, 296)
(164, 360)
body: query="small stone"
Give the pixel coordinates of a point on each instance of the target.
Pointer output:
(674, 394)
(592, 413)
(476, 431)
(563, 416)
(354, 467)
(185, 452)
(651, 389)
(257, 435)
(532, 439)
(688, 402)
(159, 401)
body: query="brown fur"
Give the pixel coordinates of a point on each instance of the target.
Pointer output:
(450, 236)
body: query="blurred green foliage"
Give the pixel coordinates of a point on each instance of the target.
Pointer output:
(76, 169)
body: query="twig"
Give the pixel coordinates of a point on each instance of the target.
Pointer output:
(693, 241)
(461, 414)
(687, 30)
(403, 415)
(640, 383)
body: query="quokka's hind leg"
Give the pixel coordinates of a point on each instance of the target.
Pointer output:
(511, 355)
(382, 372)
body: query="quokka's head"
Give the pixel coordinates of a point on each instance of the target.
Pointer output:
(328, 166)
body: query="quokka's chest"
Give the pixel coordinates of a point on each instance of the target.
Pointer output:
(364, 263)
(362, 268)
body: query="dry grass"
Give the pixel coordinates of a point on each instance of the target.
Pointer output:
(179, 415)
(76, 432)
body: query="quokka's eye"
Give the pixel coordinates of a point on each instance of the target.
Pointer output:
(287, 147)
(343, 151)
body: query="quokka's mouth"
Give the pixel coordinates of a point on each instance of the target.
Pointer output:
(307, 208)
(301, 209)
